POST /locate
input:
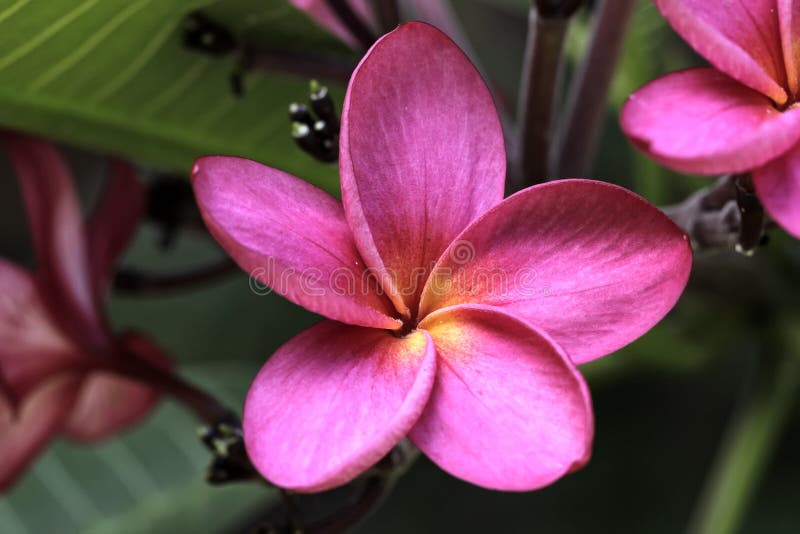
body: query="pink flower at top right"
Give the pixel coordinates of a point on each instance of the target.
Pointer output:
(742, 114)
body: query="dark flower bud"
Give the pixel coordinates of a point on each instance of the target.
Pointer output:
(205, 35)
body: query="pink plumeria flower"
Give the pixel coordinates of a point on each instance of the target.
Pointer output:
(60, 365)
(454, 317)
(321, 12)
(743, 114)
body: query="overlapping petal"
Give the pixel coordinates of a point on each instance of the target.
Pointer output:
(592, 264)
(789, 17)
(27, 430)
(508, 410)
(291, 236)
(114, 223)
(334, 400)
(701, 121)
(421, 154)
(739, 37)
(109, 403)
(31, 347)
(58, 235)
(778, 186)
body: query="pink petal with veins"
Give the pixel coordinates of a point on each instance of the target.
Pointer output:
(291, 236)
(508, 411)
(739, 37)
(700, 121)
(421, 154)
(591, 264)
(333, 401)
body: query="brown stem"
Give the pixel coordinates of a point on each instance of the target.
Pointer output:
(135, 282)
(752, 215)
(388, 14)
(204, 406)
(375, 489)
(588, 97)
(726, 216)
(300, 64)
(538, 96)
(709, 217)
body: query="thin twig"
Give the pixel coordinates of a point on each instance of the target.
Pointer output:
(587, 101)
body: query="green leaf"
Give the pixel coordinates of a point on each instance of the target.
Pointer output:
(112, 75)
(146, 481)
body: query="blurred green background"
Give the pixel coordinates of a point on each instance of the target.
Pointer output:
(111, 77)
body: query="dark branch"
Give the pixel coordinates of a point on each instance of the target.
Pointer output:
(352, 22)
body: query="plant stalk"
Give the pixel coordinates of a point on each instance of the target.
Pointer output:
(588, 97)
(538, 96)
(747, 448)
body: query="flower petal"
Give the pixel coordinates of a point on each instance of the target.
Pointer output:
(106, 405)
(701, 121)
(333, 401)
(114, 222)
(741, 38)
(31, 346)
(58, 235)
(591, 264)
(289, 235)
(421, 154)
(39, 418)
(321, 13)
(778, 186)
(508, 411)
(109, 403)
(789, 16)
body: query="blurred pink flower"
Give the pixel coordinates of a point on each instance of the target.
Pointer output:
(321, 12)
(61, 368)
(453, 316)
(743, 114)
